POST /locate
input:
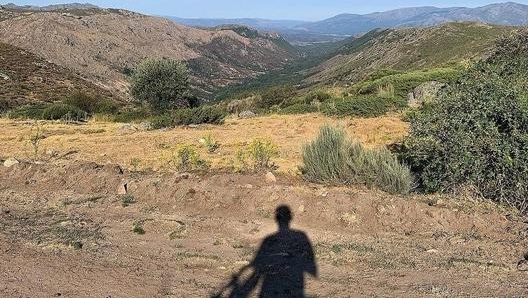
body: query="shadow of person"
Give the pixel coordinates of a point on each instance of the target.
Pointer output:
(279, 265)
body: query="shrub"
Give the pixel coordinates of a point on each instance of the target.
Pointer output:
(274, 96)
(334, 159)
(28, 112)
(200, 115)
(363, 106)
(261, 152)
(210, 143)
(161, 121)
(187, 158)
(161, 83)
(319, 96)
(477, 133)
(58, 111)
(299, 109)
(4, 105)
(132, 115)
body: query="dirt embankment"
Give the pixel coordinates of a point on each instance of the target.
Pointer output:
(65, 231)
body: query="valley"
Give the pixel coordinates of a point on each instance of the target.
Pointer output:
(373, 155)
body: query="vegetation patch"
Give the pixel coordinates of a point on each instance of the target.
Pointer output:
(477, 133)
(334, 159)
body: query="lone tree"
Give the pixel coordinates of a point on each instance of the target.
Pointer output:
(161, 83)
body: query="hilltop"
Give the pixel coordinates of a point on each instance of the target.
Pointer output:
(406, 50)
(26, 79)
(104, 45)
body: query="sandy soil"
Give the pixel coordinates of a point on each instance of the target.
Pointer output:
(65, 231)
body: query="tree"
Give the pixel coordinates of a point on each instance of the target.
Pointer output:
(476, 134)
(161, 83)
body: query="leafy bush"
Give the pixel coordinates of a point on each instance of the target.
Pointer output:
(162, 83)
(137, 114)
(28, 112)
(402, 83)
(299, 109)
(363, 106)
(200, 115)
(91, 104)
(4, 105)
(477, 133)
(161, 121)
(274, 96)
(260, 153)
(58, 111)
(319, 96)
(210, 143)
(334, 159)
(187, 158)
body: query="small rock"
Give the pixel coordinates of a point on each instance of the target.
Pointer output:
(433, 251)
(248, 186)
(122, 189)
(126, 129)
(301, 209)
(145, 125)
(246, 115)
(11, 162)
(270, 178)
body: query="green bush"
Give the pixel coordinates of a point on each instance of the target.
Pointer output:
(187, 158)
(334, 159)
(319, 96)
(91, 104)
(4, 105)
(476, 134)
(28, 112)
(162, 121)
(299, 109)
(403, 83)
(58, 111)
(274, 96)
(137, 114)
(200, 115)
(162, 83)
(363, 106)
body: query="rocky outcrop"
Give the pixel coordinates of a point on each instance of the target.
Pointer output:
(427, 91)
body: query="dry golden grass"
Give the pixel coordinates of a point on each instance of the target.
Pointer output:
(100, 141)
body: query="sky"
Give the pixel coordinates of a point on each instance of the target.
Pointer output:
(308, 10)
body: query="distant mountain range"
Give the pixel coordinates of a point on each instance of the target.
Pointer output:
(340, 26)
(50, 7)
(511, 14)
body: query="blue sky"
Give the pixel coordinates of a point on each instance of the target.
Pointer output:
(271, 9)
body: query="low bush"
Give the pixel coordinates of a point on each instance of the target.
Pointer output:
(334, 159)
(137, 114)
(319, 96)
(363, 106)
(59, 111)
(161, 121)
(274, 96)
(257, 156)
(28, 112)
(187, 158)
(199, 115)
(4, 105)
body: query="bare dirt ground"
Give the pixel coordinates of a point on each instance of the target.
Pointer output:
(66, 232)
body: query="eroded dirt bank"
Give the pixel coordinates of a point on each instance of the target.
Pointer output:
(65, 231)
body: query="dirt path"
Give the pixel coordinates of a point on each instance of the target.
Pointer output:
(65, 232)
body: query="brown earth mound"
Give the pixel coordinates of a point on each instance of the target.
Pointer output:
(64, 231)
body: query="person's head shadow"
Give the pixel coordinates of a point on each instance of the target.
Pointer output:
(279, 265)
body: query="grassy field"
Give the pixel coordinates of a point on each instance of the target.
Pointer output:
(106, 142)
